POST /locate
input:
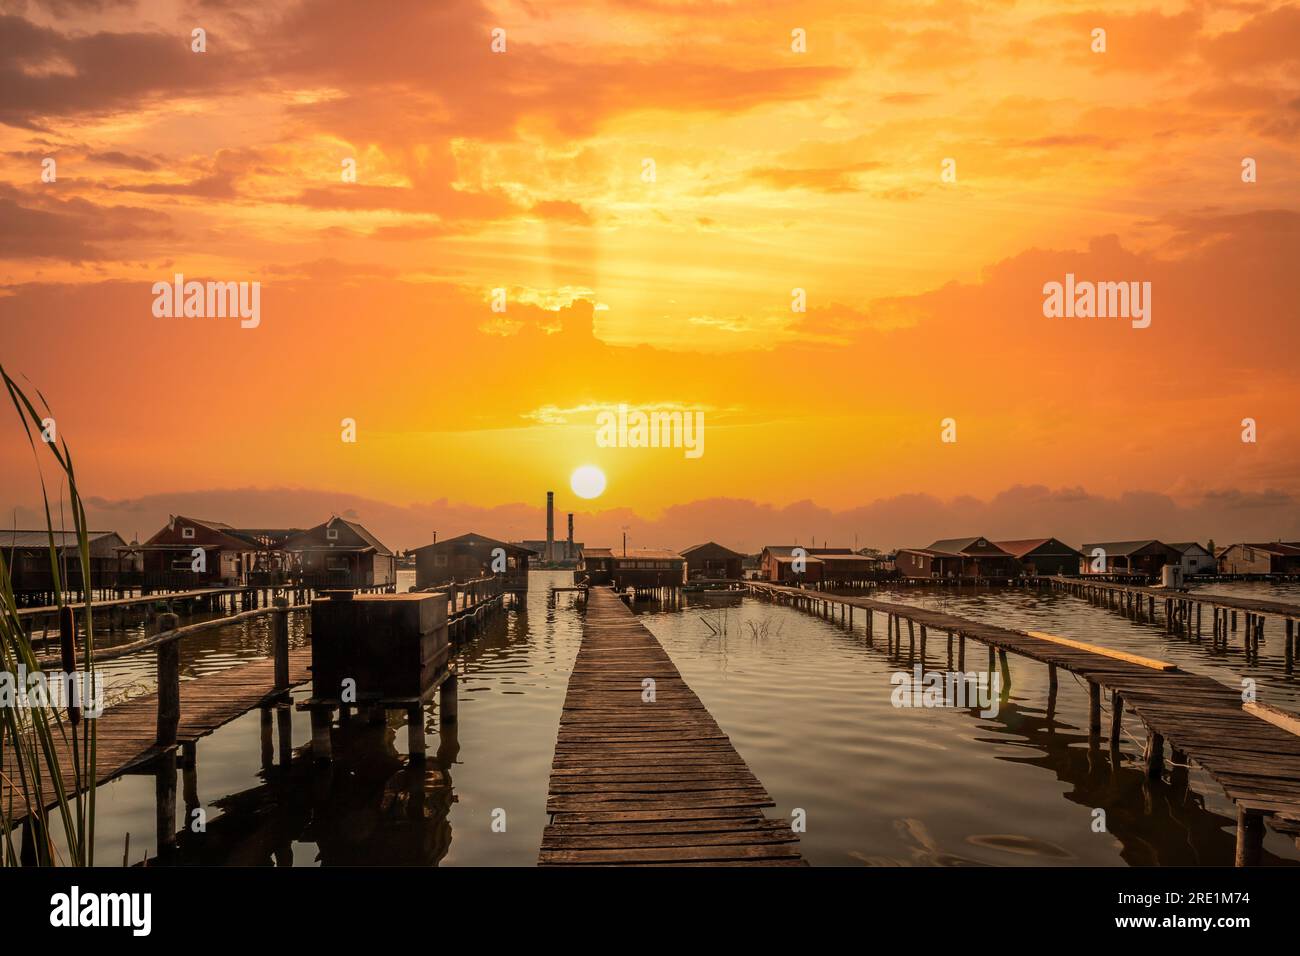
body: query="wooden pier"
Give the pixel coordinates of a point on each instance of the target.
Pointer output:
(129, 735)
(642, 773)
(1184, 611)
(1253, 753)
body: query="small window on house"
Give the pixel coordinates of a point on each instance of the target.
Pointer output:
(332, 534)
(187, 532)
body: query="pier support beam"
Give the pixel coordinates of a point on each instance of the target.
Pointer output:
(1155, 755)
(1250, 837)
(1094, 710)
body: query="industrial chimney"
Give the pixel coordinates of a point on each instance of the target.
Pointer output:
(568, 552)
(550, 527)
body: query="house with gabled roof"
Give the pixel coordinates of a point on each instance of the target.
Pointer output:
(340, 553)
(469, 556)
(1042, 556)
(1128, 557)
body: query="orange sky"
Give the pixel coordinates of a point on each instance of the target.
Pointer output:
(775, 170)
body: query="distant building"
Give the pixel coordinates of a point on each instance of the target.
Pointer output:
(564, 551)
(469, 556)
(1129, 557)
(597, 564)
(640, 568)
(1276, 557)
(342, 554)
(845, 566)
(1197, 559)
(1043, 556)
(956, 558)
(27, 553)
(789, 564)
(713, 562)
(171, 558)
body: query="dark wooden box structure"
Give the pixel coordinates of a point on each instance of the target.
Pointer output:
(393, 645)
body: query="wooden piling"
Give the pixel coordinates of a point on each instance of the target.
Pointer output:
(169, 684)
(1094, 710)
(1250, 837)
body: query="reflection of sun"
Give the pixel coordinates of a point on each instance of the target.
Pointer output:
(587, 481)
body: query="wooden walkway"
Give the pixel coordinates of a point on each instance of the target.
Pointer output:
(126, 733)
(1255, 762)
(639, 782)
(1182, 611)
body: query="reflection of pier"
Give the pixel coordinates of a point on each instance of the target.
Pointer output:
(370, 803)
(1157, 822)
(1256, 762)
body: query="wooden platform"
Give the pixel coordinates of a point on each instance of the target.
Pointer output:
(125, 733)
(639, 783)
(1256, 762)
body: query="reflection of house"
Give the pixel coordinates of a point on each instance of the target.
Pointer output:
(789, 564)
(712, 562)
(469, 556)
(27, 553)
(194, 553)
(1277, 557)
(340, 553)
(956, 558)
(1128, 557)
(1043, 556)
(1197, 559)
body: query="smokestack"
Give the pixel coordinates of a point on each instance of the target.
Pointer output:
(568, 552)
(550, 526)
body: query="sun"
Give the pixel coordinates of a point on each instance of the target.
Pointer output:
(588, 481)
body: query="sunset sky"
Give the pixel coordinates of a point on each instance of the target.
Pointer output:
(774, 170)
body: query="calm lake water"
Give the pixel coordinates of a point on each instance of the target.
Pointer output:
(807, 703)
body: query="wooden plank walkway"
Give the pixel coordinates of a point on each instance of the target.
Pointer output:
(1080, 586)
(1255, 762)
(642, 783)
(126, 733)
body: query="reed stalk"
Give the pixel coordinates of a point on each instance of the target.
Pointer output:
(47, 803)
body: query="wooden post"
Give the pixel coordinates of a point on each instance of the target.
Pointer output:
(1006, 671)
(1250, 837)
(320, 733)
(281, 628)
(1155, 755)
(415, 732)
(1116, 718)
(284, 723)
(165, 794)
(447, 699)
(169, 687)
(1094, 709)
